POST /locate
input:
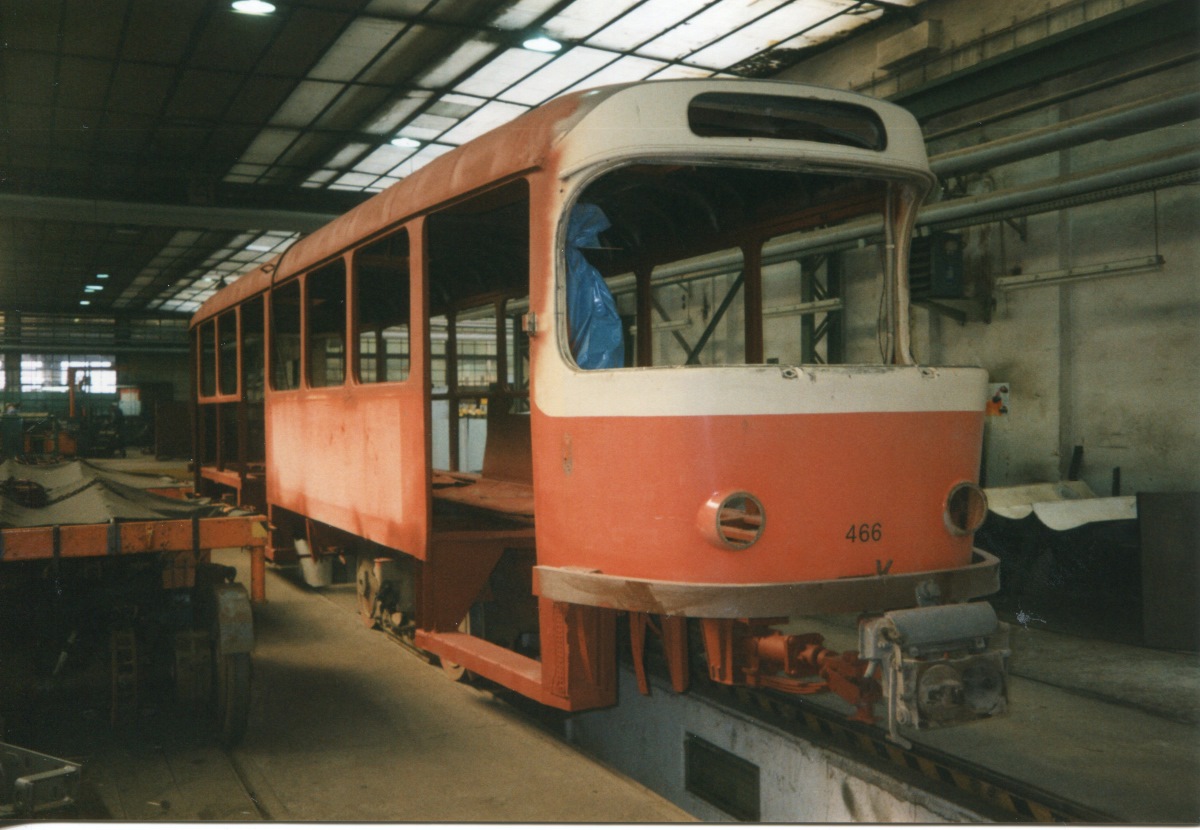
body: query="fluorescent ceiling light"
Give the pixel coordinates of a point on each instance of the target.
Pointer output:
(93, 288)
(85, 302)
(541, 43)
(404, 141)
(102, 276)
(258, 7)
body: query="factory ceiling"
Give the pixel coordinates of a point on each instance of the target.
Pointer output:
(150, 151)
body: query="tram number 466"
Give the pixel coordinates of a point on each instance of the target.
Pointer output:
(865, 532)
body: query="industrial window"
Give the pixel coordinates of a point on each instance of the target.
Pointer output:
(227, 353)
(325, 297)
(52, 373)
(207, 346)
(381, 309)
(285, 336)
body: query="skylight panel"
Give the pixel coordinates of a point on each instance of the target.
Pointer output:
(381, 69)
(523, 13)
(486, 118)
(268, 241)
(426, 127)
(764, 33)
(568, 70)
(679, 70)
(583, 17)
(355, 48)
(508, 68)
(641, 23)
(355, 180)
(306, 102)
(626, 70)
(382, 160)
(837, 27)
(708, 26)
(456, 106)
(319, 178)
(268, 145)
(458, 62)
(347, 155)
(396, 112)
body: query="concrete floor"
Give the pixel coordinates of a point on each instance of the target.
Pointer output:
(348, 726)
(345, 726)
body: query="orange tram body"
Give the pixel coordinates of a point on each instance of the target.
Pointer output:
(643, 351)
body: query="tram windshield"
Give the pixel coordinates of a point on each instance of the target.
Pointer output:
(721, 265)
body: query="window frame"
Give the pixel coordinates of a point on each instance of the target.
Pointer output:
(354, 322)
(212, 324)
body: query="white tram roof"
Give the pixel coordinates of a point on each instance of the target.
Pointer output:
(629, 121)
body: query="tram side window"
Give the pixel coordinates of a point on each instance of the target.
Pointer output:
(208, 359)
(252, 350)
(285, 336)
(227, 375)
(381, 309)
(325, 295)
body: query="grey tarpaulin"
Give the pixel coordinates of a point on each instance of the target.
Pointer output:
(77, 492)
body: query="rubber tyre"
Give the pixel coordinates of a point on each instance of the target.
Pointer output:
(232, 698)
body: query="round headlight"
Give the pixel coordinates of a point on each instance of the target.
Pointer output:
(966, 508)
(732, 520)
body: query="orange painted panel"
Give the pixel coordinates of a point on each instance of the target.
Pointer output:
(623, 494)
(355, 460)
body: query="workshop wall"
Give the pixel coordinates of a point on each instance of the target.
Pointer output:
(1103, 362)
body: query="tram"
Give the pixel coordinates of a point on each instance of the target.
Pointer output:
(640, 353)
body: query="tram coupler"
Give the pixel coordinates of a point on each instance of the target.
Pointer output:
(939, 665)
(751, 653)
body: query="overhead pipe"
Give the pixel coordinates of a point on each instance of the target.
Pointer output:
(1147, 168)
(1073, 93)
(963, 211)
(1138, 117)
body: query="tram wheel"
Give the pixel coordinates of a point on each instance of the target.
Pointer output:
(367, 583)
(454, 671)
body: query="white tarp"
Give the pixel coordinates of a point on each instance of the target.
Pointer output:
(1061, 505)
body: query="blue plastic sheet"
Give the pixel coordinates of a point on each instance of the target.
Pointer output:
(597, 341)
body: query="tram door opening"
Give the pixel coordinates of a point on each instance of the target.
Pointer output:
(478, 291)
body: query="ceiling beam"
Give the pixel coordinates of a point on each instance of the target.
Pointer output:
(1142, 26)
(107, 212)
